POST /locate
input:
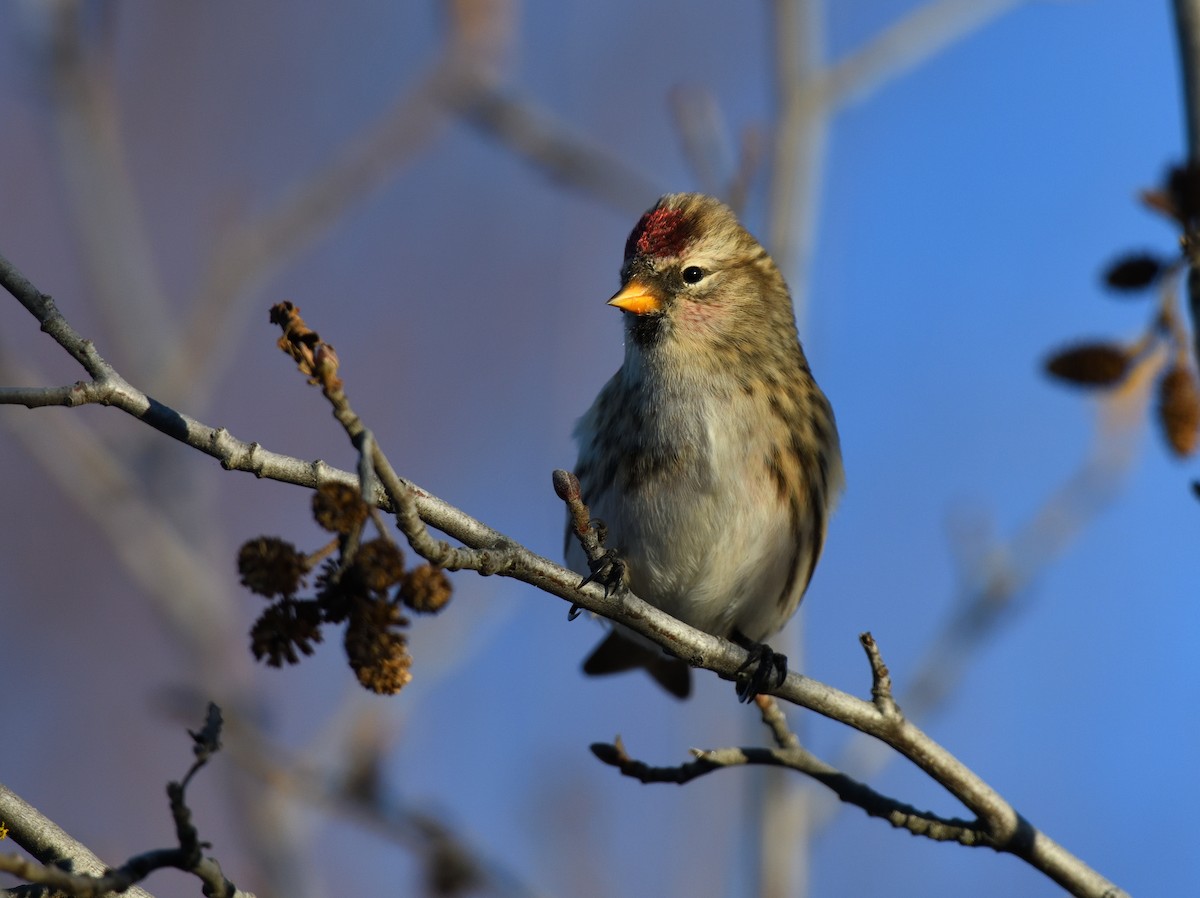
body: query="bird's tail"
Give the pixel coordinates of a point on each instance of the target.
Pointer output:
(617, 654)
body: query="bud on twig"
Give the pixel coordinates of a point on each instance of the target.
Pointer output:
(1091, 364)
(1179, 409)
(566, 485)
(1134, 272)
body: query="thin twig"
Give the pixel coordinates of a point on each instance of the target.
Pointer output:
(1187, 33)
(48, 842)
(799, 138)
(100, 195)
(703, 137)
(773, 717)
(900, 815)
(80, 877)
(905, 44)
(566, 158)
(881, 679)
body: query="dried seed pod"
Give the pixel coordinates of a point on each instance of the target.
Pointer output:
(282, 629)
(1133, 272)
(338, 507)
(426, 589)
(376, 652)
(1091, 364)
(335, 594)
(271, 566)
(378, 564)
(1179, 409)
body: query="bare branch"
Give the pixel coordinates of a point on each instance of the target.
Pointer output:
(776, 722)
(48, 842)
(900, 815)
(905, 44)
(606, 565)
(800, 129)
(703, 137)
(1003, 827)
(78, 393)
(553, 150)
(85, 876)
(881, 679)
(1187, 32)
(100, 198)
(491, 552)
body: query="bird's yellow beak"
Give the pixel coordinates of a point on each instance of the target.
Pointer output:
(637, 298)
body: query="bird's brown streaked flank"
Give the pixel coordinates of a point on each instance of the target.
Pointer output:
(711, 456)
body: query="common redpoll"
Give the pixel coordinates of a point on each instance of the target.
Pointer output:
(711, 456)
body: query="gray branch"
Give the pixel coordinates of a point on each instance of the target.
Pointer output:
(1004, 828)
(1187, 28)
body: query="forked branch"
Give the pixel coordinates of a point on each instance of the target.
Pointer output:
(486, 550)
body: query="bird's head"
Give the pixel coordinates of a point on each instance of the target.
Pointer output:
(694, 277)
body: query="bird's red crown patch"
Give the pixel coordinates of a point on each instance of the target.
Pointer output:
(660, 232)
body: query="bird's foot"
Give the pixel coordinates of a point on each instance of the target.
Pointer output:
(608, 570)
(765, 668)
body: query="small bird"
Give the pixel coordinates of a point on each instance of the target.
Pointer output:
(711, 456)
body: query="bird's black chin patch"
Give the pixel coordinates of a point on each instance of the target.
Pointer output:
(646, 330)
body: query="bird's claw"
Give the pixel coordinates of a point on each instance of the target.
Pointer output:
(758, 670)
(608, 570)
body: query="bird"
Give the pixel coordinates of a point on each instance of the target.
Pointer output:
(711, 459)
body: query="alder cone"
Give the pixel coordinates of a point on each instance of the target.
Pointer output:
(1133, 272)
(1179, 410)
(1090, 364)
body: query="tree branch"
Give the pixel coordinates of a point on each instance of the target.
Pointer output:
(789, 754)
(492, 552)
(48, 842)
(1187, 29)
(68, 866)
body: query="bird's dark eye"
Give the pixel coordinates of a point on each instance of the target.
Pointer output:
(693, 275)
